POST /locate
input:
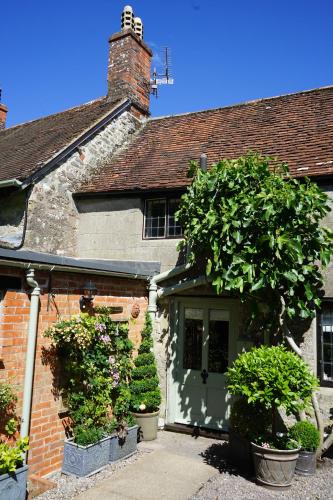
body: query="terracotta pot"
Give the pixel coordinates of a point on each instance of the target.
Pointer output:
(147, 423)
(274, 468)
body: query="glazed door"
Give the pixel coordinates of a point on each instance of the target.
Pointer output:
(206, 334)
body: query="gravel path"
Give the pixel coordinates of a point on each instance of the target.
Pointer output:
(228, 484)
(68, 487)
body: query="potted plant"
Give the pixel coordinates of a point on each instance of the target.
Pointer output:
(98, 364)
(247, 422)
(145, 391)
(275, 378)
(13, 472)
(308, 437)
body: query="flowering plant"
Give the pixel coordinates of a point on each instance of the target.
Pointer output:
(97, 367)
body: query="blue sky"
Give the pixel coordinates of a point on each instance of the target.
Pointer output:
(54, 54)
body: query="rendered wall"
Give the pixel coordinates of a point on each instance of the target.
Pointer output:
(111, 228)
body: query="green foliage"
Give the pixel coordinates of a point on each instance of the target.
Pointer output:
(145, 391)
(11, 449)
(11, 455)
(87, 435)
(257, 232)
(273, 377)
(249, 420)
(306, 434)
(97, 369)
(8, 397)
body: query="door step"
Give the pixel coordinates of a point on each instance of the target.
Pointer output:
(196, 431)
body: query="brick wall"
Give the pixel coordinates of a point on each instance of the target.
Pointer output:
(129, 69)
(46, 431)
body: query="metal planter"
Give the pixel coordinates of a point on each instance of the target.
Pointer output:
(13, 486)
(274, 468)
(306, 463)
(123, 448)
(83, 461)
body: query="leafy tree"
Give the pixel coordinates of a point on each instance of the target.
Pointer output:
(257, 232)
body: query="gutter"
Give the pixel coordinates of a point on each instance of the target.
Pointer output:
(69, 269)
(31, 353)
(10, 182)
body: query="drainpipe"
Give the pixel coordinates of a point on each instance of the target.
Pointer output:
(152, 300)
(31, 351)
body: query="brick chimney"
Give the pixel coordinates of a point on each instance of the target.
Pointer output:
(129, 64)
(3, 114)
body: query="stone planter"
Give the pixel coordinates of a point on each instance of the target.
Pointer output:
(241, 453)
(274, 468)
(13, 486)
(306, 463)
(83, 461)
(148, 423)
(122, 448)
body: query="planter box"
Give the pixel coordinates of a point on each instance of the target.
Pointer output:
(83, 461)
(241, 453)
(123, 448)
(13, 486)
(274, 468)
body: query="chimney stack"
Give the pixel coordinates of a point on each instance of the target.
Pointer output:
(3, 114)
(129, 63)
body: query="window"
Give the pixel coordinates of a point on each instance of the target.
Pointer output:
(325, 344)
(160, 221)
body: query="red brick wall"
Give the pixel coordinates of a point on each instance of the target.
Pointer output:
(46, 431)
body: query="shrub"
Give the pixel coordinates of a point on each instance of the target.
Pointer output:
(11, 449)
(272, 377)
(8, 398)
(87, 435)
(145, 391)
(306, 434)
(249, 420)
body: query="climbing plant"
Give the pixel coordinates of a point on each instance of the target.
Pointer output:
(95, 356)
(257, 232)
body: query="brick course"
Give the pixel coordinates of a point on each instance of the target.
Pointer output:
(47, 431)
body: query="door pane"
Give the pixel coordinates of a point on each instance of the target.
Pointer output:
(193, 331)
(218, 343)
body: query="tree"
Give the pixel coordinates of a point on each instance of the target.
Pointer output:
(257, 232)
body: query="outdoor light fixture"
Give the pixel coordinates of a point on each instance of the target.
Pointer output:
(89, 292)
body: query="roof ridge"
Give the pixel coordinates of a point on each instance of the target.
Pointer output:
(54, 114)
(244, 103)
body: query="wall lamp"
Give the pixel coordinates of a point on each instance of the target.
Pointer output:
(89, 292)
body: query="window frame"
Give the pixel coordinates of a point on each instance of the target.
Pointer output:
(322, 381)
(166, 201)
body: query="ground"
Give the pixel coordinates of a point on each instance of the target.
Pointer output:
(182, 467)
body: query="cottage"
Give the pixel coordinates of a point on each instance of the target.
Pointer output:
(90, 194)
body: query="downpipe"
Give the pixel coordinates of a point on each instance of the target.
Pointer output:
(30, 355)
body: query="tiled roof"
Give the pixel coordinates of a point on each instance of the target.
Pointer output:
(297, 128)
(25, 148)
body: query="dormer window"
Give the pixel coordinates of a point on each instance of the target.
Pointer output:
(160, 221)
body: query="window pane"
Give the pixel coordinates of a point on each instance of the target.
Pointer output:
(218, 345)
(326, 343)
(193, 330)
(174, 227)
(155, 219)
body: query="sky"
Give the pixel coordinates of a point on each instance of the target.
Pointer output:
(54, 54)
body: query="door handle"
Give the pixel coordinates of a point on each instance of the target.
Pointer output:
(204, 376)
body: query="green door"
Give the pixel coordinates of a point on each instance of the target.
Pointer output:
(205, 345)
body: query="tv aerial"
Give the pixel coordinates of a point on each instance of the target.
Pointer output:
(163, 78)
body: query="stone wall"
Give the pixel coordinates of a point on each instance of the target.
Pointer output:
(12, 214)
(112, 228)
(52, 214)
(47, 417)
